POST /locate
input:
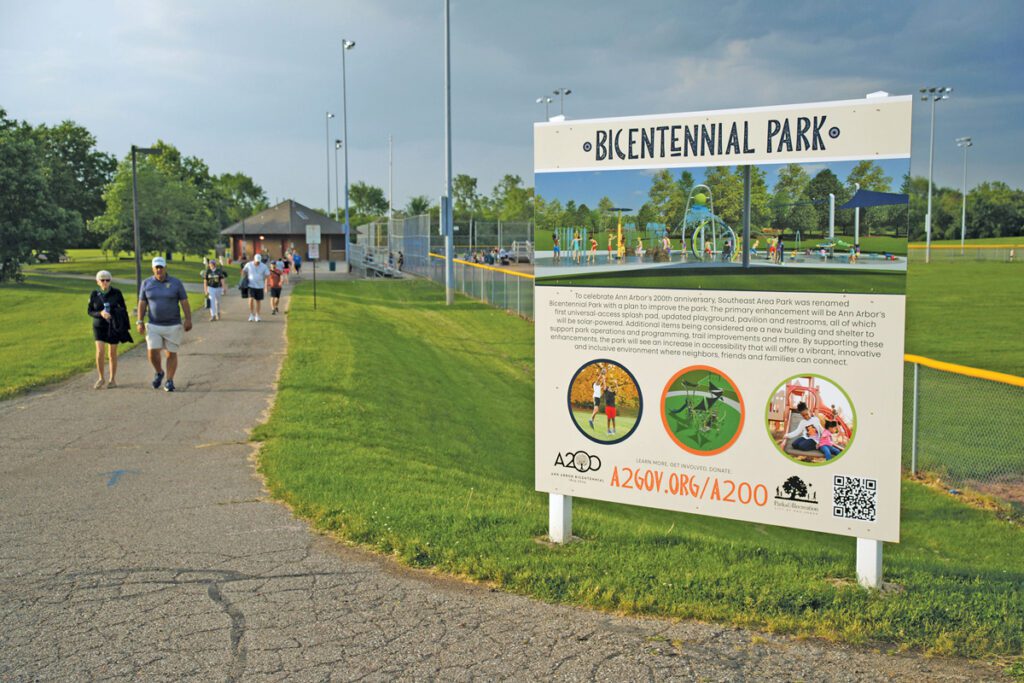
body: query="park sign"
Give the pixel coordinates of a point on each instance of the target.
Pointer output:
(875, 128)
(693, 356)
(312, 234)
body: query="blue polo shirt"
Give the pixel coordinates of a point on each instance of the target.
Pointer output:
(162, 299)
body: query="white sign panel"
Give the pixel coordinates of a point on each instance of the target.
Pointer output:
(314, 251)
(683, 365)
(312, 234)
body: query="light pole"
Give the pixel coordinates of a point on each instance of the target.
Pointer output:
(562, 92)
(337, 180)
(934, 95)
(449, 246)
(155, 151)
(327, 139)
(546, 100)
(346, 45)
(965, 143)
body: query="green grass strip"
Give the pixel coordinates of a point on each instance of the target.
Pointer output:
(407, 427)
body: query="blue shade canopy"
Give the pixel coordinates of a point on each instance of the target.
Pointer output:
(866, 198)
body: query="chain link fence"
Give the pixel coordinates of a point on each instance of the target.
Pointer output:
(478, 235)
(498, 287)
(1005, 253)
(962, 425)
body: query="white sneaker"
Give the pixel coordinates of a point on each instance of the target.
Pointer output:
(251, 317)
(257, 318)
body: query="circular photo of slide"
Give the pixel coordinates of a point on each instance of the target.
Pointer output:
(605, 402)
(811, 420)
(702, 410)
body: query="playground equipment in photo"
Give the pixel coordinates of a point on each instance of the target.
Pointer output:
(782, 415)
(707, 235)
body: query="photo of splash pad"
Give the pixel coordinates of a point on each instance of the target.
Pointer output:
(701, 410)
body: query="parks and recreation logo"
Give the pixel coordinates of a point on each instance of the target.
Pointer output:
(797, 495)
(581, 461)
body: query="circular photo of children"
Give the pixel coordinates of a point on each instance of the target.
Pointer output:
(811, 420)
(702, 410)
(605, 401)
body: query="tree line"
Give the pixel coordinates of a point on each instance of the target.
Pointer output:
(509, 200)
(799, 202)
(58, 191)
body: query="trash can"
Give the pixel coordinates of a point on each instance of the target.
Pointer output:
(332, 266)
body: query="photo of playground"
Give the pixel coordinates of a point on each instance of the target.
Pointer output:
(649, 228)
(701, 410)
(811, 420)
(605, 402)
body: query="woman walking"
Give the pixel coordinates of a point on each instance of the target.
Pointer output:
(110, 326)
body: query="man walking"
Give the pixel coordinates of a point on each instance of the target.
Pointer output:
(256, 271)
(161, 295)
(214, 279)
(274, 285)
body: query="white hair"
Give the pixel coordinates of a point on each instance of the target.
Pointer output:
(104, 273)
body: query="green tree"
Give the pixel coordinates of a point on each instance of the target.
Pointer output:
(418, 205)
(995, 210)
(604, 218)
(368, 200)
(817, 191)
(511, 200)
(171, 215)
(76, 171)
(789, 192)
(465, 195)
(31, 220)
(243, 196)
(726, 194)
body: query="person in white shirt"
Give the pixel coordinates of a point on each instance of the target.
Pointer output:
(807, 432)
(600, 384)
(257, 273)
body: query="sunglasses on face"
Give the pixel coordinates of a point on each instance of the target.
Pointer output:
(160, 267)
(104, 279)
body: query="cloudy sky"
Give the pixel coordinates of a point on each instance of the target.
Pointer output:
(245, 85)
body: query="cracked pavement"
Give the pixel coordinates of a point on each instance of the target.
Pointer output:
(137, 543)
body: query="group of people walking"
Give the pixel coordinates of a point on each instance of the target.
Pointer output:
(164, 301)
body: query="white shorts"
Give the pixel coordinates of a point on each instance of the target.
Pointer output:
(164, 337)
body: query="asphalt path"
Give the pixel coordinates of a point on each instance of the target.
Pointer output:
(138, 543)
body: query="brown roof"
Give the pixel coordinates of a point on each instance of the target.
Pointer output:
(287, 218)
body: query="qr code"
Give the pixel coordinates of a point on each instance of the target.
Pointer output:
(854, 498)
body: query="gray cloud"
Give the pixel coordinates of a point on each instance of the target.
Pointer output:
(246, 85)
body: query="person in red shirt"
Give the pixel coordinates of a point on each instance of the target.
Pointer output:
(274, 285)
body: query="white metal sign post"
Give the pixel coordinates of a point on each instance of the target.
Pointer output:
(313, 251)
(706, 361)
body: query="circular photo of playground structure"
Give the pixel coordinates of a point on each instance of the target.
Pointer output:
(811, 420)
(702, 410)
(605, 402)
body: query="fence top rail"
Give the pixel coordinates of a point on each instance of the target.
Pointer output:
(528, 276)
(967, 246)
(978, 373)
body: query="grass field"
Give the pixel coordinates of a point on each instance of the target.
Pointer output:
(967, 312)
(47, 334)
(444, 479)
(624, 423)
(89, 261)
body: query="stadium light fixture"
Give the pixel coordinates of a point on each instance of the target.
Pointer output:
(934, 94)
(964, 143)
(562, 92)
